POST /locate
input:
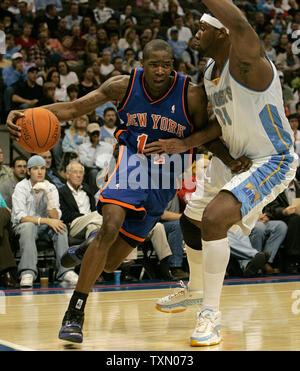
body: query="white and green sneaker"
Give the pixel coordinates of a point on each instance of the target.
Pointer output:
(179, 300)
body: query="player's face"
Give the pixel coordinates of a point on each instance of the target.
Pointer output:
(158, 68)
(205, 39)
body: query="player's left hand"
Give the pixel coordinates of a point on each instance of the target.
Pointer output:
(168, 146)
(240, 165)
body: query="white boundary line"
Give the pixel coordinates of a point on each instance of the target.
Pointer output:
(15, 346)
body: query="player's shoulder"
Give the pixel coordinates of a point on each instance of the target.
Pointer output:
(196, 91)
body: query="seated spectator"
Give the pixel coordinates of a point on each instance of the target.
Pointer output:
(98, 78)
(269, 50)
(110, 120)
(66, 158)
(113, 47)
(78, 45)
(288, 59)
(91, 51)
(48, 94)
(27, 94)
(78, 204)
(73, 17)
(267, 236)
(25, 40)
(62, 30)
(72, 91)
(66, 77)
(5, 171)
(144, 14)
(94, 155)
(60, 90)
(102, 38)
(106, 67)
(12, 75)
(178, 46)
(294, 120)
(18, 173)
(40, 52)
(287, 92)
(52, 174)
(127, 12)
(251, 261)
(35, 215)
(11, 47)
(68, 54)
(8, 266)
(102, 13)
(87, 83)
(129, 63)
(76, 134)
(282, 209)
(26, 65)
(130, 40)
(184, 33)
(170, 221)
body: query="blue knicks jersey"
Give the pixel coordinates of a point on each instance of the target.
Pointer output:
(147, 120)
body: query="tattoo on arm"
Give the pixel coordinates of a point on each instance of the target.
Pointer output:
(115, 88)
(244, 68)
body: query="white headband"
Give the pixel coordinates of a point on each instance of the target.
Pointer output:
(212, 21)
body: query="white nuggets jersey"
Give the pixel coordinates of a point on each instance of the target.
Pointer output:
(253, 122)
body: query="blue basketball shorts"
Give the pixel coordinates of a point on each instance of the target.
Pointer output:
(130, 187)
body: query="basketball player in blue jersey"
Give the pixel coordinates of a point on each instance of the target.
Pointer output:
(243, 87)
(155, 102)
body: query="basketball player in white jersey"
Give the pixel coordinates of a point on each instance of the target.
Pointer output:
(244, 90)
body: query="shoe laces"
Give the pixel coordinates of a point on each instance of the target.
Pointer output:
(205, 321)
(179, 291)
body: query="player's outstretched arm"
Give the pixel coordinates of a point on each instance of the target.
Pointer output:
(112, 89)
(248, 63)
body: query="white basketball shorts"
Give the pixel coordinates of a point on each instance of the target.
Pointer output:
(255, 188)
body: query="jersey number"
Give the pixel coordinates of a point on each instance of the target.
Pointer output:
(141, 142)
(223, 115)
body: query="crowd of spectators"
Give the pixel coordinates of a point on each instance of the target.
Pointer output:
(58, 50)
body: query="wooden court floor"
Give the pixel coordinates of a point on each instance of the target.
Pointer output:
(254, 317)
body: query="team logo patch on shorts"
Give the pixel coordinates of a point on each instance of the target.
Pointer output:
(251, 193)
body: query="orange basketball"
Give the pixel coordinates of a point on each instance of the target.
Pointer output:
(40, 130)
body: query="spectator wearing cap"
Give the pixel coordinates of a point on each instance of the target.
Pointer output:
(178, 46)
(184, 33)
(36, 215)
(85, 10)
(12, 75)
(27, 94)
(94, 155)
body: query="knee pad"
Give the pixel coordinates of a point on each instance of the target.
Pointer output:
(191, 233)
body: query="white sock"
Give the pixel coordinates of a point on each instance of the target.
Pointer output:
(215, 259)
(194, 258)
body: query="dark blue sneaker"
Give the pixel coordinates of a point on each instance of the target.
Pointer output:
(74, 255)
(71, 329)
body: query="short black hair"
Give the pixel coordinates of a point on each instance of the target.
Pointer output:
(156, 45)
(19, 158)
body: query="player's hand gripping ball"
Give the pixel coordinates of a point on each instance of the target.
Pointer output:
(40, 130)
